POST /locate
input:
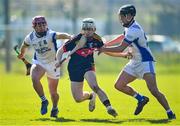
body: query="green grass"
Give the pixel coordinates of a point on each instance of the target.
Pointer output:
(19, 104)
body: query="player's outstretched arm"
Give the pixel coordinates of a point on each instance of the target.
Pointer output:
(23, 50)
(115, 41)
(127, 55)
(63, 35)
(117, 49)
(59, 54)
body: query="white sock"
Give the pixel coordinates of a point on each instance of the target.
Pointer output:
(109, 107)
(54, 108)
(135, 95)
(169, 110)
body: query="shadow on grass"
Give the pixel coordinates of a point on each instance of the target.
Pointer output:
(114, 121)
(110, 121)
(153, 121)
(117, 121)
(60, 119)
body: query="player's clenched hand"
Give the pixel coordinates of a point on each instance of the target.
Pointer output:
(57, 64)
(128, 55)
(99, 50)
(60, 63)
(20, 56)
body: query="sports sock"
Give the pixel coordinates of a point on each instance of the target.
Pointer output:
(43, 98)
(54, 108)
(138, 97)
(109, 107)
(169, 111)
(107, 103)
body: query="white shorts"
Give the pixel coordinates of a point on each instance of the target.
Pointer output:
(138, 69)
(51, 70)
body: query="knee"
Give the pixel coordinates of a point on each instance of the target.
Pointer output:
(78, 99)
(54, 94)
(119, 86)
(95, 88)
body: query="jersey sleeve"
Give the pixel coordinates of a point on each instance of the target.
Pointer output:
(131, 35)
(53, 34)
(100, 44)
(27, 40)
(98, 41)
(69, 45)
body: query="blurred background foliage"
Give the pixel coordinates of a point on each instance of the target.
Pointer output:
(160, 17)
(157, 17)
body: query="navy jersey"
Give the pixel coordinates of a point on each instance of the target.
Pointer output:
(83, 56)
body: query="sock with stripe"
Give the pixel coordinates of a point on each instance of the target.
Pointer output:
(43, 98)
(138, 97)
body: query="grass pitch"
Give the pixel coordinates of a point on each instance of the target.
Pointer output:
(20, 106)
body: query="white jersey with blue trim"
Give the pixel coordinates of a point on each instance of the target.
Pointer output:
(135, 36)
(45, 47)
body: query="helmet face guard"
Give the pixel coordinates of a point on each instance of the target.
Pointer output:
(88, 24)
(40, 25)
(88, 27)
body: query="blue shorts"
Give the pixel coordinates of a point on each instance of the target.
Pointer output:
(76, 74)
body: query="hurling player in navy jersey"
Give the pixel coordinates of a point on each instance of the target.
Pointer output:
(81, 65)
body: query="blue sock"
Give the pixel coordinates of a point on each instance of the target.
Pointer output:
(139, 97)
(169, 112)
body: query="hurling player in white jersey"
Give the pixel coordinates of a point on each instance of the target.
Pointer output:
(141, 64)
(43, 40)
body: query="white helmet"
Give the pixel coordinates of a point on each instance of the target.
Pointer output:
(88, 23)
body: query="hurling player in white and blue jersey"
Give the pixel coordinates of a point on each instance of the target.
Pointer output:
(141, 64)
(43, 40)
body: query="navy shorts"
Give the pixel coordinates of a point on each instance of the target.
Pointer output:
(76, 74)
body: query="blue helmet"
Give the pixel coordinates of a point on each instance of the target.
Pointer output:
(127, 9)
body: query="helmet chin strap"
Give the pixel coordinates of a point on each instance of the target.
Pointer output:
(41, 34)
(129, 22)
